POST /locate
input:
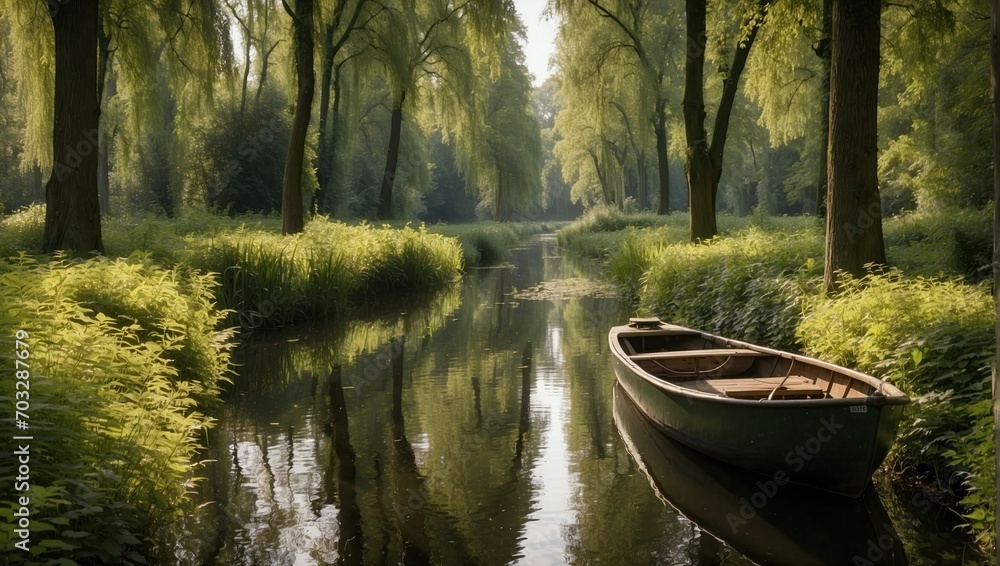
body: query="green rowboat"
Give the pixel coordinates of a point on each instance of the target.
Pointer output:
(791, 417)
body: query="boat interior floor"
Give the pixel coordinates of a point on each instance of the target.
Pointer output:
(756, 387)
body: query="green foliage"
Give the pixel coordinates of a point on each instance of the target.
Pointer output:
(271, 280)
(22, 230)
(952, 243)
(487, 243)
(934, 339)
(749, 286)
(240, 159)
(113, 393)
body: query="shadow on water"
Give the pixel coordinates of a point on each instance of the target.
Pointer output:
(476, 426)
(768, 523)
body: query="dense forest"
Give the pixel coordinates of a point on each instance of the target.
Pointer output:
(145, 126)
(365, 109)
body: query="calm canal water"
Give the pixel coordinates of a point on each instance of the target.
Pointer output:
(483, 426)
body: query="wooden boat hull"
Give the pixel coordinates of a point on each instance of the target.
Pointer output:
(834, 444)
(770, 524)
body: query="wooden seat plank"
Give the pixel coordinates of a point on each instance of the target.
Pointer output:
(718, 352)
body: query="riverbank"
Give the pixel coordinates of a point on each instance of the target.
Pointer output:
(926, 325)
(125, 357)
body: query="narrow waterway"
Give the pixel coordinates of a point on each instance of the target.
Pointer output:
(482, 426)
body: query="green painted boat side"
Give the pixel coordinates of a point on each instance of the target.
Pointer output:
(830, 444)
(770, 522)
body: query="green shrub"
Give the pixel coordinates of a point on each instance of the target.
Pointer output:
(113, 414)
(952, 243)
(934, 339)
(22, 230)
(748, 287)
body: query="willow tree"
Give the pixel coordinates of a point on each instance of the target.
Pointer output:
(704, 156)
(635, 54)
(349, 18)
(854, 213)
(789, 78)
(503, 162)
(69, 33)
(425, 47)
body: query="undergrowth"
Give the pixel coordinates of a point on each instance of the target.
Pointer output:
(119, 355)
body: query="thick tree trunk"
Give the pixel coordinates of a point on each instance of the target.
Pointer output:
(662, 165)
(854, 214)
(699, 164)
(995, 87)
(391, 157)
(291, 201)
(324, 156)
(823, 50)
(72, 212)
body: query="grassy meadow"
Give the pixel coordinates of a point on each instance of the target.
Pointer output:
(926, 324)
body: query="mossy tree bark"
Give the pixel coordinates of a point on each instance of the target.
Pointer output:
(72, 211)
(854, 212)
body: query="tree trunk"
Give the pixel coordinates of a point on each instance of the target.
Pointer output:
(699, 164)
(389, 177)
(37, 187)
(72, 212)
(854, 214)
(104, 141)
(498, 206)
(824, 131)
(704, 163)
(323, 169)
(291, 201)
(995, 88)
(609, 199)
(662, 164)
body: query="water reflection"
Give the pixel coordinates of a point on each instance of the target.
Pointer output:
(771, 524)
(472, 427)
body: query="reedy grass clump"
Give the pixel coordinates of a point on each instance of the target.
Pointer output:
(934, 339)
(602, 230)
(113, 391)
(272, 280)
(487, 243)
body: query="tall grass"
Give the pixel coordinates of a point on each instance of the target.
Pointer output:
(272, 280)
(120, 354)
(601, 231)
